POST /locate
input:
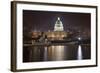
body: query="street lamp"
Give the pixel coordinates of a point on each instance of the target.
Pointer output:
(79, 40)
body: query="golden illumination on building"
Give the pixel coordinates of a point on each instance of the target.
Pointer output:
(35, 34)
(57, 34)
(58, 25)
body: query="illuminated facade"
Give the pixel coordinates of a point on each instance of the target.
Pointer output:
(58, 25)
(57, 34)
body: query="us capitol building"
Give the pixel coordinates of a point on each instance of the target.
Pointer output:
(57, 34)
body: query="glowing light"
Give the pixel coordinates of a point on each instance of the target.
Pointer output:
(79, 38)
(79, 55)
(59, 53)
(58, 18)
(58, 25)
(45, 54)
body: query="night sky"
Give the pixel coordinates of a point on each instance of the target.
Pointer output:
(45, 20)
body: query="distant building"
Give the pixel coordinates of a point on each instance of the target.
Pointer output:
(58, 25)
(57, 34)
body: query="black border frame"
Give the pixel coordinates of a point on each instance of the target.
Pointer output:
(14, 35)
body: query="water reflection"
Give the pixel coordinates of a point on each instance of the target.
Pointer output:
(45, 54)
(79, 54)
(56, 53)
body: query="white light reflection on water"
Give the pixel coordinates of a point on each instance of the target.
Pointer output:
(79, 54)
(58, 52)
(45, 54)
